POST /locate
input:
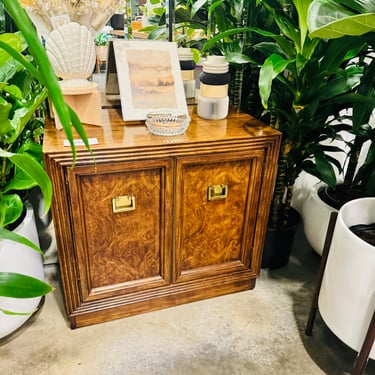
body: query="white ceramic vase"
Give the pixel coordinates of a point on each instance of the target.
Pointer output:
(15, 257)
(347, 295)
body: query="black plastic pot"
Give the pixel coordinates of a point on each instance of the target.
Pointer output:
(279, 242)
(117, 21)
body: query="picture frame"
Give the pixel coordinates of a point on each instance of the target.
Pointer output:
(149, 78)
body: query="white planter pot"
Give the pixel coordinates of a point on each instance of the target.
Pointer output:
(347, 295)
(301, 190)
(315, 217)
(15, 257)
(101, 53)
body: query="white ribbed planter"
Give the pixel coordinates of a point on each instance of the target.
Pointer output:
(347, 295)
(101, 53)
(15, 257)
(315, 217)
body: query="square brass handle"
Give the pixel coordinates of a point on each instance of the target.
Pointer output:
(123, 203)
(215, 192)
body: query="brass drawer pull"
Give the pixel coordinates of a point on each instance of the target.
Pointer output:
(123, 204)
(219, 191)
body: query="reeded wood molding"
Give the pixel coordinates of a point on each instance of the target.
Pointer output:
(117, 138)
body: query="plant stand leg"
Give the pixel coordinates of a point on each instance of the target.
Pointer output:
(98, 64)
(327, 245)
(363, 355)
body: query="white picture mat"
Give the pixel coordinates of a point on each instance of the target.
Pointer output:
(149, 78)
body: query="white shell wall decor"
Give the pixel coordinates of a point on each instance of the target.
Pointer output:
(71, 50)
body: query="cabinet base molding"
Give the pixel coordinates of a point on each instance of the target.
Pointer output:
(138, 303)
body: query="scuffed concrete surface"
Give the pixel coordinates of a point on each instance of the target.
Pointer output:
(257, 332)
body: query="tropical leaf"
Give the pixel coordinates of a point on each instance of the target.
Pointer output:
(302, 10)
(34, 170)
(271, 68)
(196, 5)
(12, 236)
(238, 58)
(17, 285)
(328, 19)
(11, 208)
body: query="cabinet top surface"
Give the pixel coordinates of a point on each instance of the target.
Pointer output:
(117, 134)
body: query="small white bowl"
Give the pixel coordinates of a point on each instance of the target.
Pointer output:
(167, 122)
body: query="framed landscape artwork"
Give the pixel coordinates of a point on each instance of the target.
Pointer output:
(149, 78)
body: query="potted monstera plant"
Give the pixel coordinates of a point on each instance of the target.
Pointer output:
(26, 80)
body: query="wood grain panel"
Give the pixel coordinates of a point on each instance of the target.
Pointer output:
(212, 233)
(122, 246)
(126, 249)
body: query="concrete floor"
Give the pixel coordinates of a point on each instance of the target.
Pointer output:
(258, 332)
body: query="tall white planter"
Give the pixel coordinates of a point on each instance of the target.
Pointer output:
(15, 257)
(315, 218)
(347, 295)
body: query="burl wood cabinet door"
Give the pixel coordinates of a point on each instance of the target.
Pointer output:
(122, 227)
(216, 210)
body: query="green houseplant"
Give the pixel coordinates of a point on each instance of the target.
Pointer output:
(101, 42)
(20, 152)
(17, 113)
(102, 39)
(337, 19)
(305, 83)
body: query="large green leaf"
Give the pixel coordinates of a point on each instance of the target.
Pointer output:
(22, 115)
(16, 285)
(35, 171)
(11, 208)
(272, 67)
(212, 41)
(324, 167)
(328, 19)
(362, 110)
(13, 40)
(12, 236)
(359, 6)
(5, 109)
(302, 10)
(238, 58)
(196, 5)
(9, 66)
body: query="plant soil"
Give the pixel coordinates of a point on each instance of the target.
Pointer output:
(337, 197)
(365, 232)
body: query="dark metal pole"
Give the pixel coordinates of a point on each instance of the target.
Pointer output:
(170, 19)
